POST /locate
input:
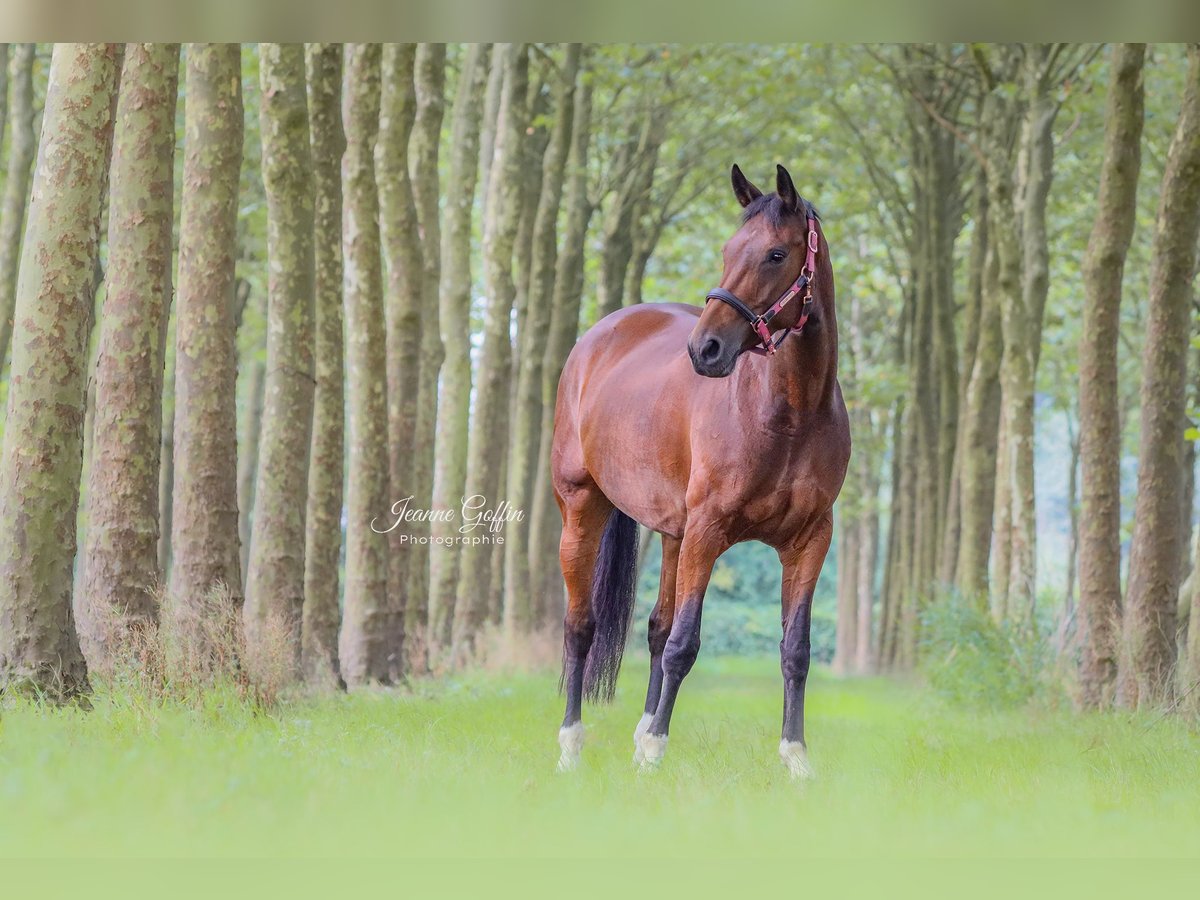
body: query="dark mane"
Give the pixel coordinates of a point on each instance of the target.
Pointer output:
(776, 213)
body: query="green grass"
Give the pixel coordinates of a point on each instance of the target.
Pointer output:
(466, 767)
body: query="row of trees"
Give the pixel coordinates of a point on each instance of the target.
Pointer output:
(345, 205)
(981, 127)
(266, 292)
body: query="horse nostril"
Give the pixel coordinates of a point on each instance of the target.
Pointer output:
(711, 351)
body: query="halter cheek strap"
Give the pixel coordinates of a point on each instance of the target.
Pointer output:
(802, 287)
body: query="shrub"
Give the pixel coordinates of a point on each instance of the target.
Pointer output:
(971, 659)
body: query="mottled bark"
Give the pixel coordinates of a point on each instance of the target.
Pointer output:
(454, 406)
(369, 644)
(166, 465)
(248, 444)
(323, 539)
(521, 606)
(275, 578)
(120, 554)
(617, 249)
(489, 424)
(402, 253)
(979, 438)
(545, 525)
(4, 76)
(21, 147)
(1150, 614)
(40, 461)
(487, 126)
(868, 549)
(204, 520)
(430, 82)
(846, 635)
(1099, 412)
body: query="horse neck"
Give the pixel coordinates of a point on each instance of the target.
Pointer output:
(805, 368)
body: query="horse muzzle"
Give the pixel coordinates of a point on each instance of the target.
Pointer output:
(712, 356)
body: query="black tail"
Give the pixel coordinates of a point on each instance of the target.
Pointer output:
(613, 586)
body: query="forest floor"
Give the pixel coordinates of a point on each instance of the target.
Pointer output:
(466, 767)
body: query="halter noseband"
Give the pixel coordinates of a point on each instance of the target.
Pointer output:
(802, 285)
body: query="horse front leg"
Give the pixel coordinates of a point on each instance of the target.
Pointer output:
(801, 567)
(659, 630)
(697, 553)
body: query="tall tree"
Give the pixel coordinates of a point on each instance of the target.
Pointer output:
(561, 333)
(1154, 563)
(521, 606)
(250, 432)
(323, 541)
(22, 144)
(402, 251)
(40, 460)
(454, 405)
(639, 159)
(275, 579)
(429, 80)
(368, 646)
(166, 465)
(1099, 412)
(489, 433)
(204, 516)
(120, 555)
(980, 432)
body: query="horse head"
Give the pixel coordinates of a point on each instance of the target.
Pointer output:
(768, 264)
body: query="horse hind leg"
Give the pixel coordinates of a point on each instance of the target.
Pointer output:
(585, 512)
(658, 631)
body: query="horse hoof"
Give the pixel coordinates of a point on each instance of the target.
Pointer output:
(570, 742)
(650, 750)
(795, 758)
(643, 726)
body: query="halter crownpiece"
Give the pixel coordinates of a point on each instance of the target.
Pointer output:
(802, 285)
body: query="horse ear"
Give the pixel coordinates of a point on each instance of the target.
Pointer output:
(745, 192)
(786, 190)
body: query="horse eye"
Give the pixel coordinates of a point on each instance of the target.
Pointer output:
(776, 256)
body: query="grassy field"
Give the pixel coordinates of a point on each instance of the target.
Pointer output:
(467, 768)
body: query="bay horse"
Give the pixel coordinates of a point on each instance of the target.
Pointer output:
(743, 437)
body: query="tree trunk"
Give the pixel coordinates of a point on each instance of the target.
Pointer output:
(1150, 614)
(454, 406)
(521, 607)
(980, 437)
(204, 517)
(868, 548)
(489, 431)
(487, 127)
(250, 432)
(617, 249)
(564, 327)
(323, 538)
(4, 75)
(845, 647)
(430, 83)
(1099, 412)
(40, 465)
(166, 466)
(403, 311)
(21, 148)
(369, 643)
(275, 580)
(120, 558)
(952, 527)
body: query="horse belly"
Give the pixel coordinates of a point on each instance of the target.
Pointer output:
(638, 457)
